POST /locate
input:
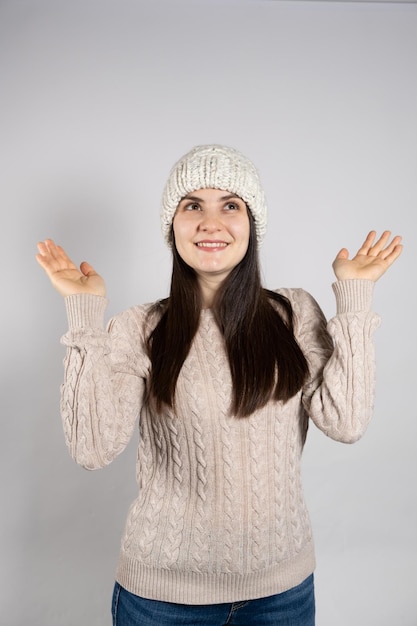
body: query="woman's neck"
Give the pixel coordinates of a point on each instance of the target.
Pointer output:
(208, 289)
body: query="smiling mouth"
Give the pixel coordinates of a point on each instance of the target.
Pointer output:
(211, 244)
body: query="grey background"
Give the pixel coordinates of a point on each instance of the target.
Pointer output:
(98, 99)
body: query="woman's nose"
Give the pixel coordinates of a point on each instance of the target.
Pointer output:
(210, 223)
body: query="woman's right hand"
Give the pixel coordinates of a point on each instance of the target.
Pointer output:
(64, 275)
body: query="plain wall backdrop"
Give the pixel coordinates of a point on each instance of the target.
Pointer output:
(98, 99)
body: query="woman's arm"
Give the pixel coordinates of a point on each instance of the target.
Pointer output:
(104, 368)
(339, 396)
(104, 380)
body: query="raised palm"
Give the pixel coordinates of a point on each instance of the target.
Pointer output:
(64, 275)
(372, 259)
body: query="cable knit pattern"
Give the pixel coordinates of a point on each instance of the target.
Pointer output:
(220, 514)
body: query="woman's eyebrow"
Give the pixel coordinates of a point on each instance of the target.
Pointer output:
(230, 196)
(222, 198)
(190, 197)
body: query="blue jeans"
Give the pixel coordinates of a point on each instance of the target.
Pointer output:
(295, 607)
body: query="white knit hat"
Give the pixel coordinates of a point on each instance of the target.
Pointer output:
(214, 167)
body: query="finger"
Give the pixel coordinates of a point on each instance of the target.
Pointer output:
(385, 252)
(47, 264)
(51, 247)
(372, 248)
(342, 254)
(367, 244)
(394, 254)
(44, 256)
(47, 250)
(87, 269)
(57, 252)
(43, 248)
(380, 244)
(42, 260)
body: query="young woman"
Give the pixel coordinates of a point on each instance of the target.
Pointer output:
(225, 376)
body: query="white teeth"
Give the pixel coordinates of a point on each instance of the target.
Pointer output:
(206, 244)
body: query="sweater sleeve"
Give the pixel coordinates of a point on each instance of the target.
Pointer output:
(339, 395)
(104, 380)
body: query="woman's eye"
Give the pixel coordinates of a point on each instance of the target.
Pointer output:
(192, 207)
(231, 206)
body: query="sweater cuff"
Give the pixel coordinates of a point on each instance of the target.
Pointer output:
(353, 295)
(85, 310)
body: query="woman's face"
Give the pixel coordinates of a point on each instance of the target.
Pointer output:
(211, 233)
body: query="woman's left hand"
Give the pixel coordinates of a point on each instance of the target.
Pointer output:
(371, 260)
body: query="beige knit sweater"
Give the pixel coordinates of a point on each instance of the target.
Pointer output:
(220, 514)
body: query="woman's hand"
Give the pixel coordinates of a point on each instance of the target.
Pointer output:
(371, 260)
(64, 275)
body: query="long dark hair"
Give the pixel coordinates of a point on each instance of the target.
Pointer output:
(265, 359)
